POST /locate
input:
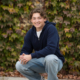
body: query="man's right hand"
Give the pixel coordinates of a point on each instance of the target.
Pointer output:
(21, 58)
(24, 58)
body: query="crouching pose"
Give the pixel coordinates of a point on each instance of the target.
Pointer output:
(44, 39)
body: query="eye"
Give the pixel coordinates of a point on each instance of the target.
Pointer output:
(33, 18)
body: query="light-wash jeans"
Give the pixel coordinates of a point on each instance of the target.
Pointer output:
(50, 64)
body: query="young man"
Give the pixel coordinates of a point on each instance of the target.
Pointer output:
(43, 38)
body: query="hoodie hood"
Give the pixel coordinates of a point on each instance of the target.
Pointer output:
(47, 22)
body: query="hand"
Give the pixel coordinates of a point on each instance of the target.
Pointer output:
(21, 57)
(25, 58)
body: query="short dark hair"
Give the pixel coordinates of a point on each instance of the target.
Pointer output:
(38, 10)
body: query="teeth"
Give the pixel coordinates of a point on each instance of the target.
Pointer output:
(37, 24)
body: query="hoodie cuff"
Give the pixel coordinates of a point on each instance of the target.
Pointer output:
(24, 53)
(33, 55)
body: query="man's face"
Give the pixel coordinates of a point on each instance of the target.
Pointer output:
(38, 21)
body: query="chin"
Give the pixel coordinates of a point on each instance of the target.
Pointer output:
(37, 26)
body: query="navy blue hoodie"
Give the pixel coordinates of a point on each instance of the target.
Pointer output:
(47, 43)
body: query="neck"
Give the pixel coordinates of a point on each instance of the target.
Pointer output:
(39, 29)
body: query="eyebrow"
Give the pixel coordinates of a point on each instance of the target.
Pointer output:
(38, 17)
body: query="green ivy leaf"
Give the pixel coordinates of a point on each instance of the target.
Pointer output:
(14, 35)
(68, 35)
(62, 4)
(74, 0)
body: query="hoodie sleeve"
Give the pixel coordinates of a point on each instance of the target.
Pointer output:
(52, 43)
(27, 46)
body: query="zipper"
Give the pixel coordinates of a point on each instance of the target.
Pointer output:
(39, 38)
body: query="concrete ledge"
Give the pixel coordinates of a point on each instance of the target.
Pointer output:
(20, 78)
(13, 78)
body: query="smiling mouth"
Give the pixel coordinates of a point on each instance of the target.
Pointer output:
(37, 24)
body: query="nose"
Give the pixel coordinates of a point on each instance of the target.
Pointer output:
(36, 20)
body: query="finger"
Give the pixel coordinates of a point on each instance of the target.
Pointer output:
(21, 57)
(21, 61)
(25, 61)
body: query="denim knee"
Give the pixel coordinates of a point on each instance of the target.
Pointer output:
(50, 59)
(18, 66)
(53, 61)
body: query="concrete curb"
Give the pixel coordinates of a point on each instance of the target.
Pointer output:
(13, 78)
(20, 78)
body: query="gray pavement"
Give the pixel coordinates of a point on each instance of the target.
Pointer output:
(13, 78)
(20, 78)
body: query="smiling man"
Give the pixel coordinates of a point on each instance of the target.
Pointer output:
(44, 39)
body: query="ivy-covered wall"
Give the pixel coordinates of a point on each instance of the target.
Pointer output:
(66, 13)
(14, 24)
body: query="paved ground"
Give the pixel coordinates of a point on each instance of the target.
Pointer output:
(19, 78)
